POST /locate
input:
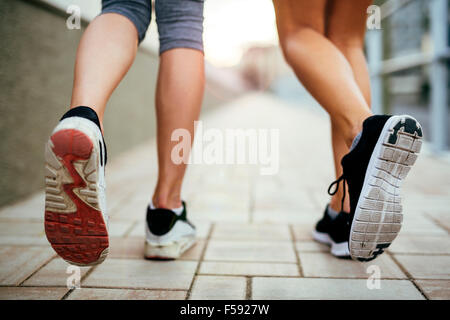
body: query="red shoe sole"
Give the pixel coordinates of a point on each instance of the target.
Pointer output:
(79, 237)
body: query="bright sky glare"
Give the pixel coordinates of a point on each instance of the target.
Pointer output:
(231, 26)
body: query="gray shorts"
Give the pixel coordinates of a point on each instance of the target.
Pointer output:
(180, 22)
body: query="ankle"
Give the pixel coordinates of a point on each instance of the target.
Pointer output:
(336, 203)
(166, 200)
(353, 127)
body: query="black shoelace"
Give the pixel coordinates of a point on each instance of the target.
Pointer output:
(337, 182)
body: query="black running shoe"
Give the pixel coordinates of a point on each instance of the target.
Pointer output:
(334, 232)
(374, 169)
(168, 235)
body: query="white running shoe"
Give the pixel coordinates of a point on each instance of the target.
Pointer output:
(76, 222)
(168, 234)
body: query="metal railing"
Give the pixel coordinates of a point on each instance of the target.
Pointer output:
(437, 59)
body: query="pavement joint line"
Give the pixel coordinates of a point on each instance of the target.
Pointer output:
(297, 255)
(133, 288)
(217, 261)
(130, 228)
(248, 288)
(298, 277)
(21, 220)
(91, 269)
(211, 275)
(251, 261)
(37, 270)
(437, 222)
(69, 291)
(419, 254)
(410, 277)
(200, 260)
(125, 197)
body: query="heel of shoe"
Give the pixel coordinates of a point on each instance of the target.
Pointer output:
(168, 251)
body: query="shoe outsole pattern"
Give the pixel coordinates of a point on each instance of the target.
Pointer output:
(74, 224)
(378, 216)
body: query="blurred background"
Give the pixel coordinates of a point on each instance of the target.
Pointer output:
(408, 59)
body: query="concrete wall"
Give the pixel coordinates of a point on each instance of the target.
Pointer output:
(36, 65)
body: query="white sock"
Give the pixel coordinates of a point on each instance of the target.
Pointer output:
(355, 141)
(178, 211)
(332, 213)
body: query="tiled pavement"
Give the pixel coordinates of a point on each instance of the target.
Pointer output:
(254, 231)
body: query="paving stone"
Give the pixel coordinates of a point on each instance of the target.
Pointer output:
(22, 228)
(285, 215)
(420, 225)
(133, 209)
(219, 215)
(228, 231)
(218, 288)
(426, 267)
(442, 218)
(133, 248)
(311, 246)
(249, 268)
(18, 263)
(125, 294)
(202, 228)
(303, 231)
(55, 274)
(275, 197)
(31, 208)
(327, 289)
(195, 252)
(118, 228)
(127, 273)
(435, 289)
(16, 240)
(29, 293)
(138, 230)
(273, 251)
(127, 248)
(325, 265)
(421, 244)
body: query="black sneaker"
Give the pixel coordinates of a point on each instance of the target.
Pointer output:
(374, 169)
(168, 235)
(334, 232)
(76, 222)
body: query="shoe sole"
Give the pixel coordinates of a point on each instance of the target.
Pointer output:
(74, 224)
(169, 251)
(378, 215)
(339, 250)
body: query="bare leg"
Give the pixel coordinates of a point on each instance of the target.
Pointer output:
(346, 26)
(179, 96)
(105, 53)
(320, 65)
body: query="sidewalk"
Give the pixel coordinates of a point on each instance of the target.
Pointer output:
(254, 231)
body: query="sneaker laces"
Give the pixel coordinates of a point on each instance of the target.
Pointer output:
(337, 183)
